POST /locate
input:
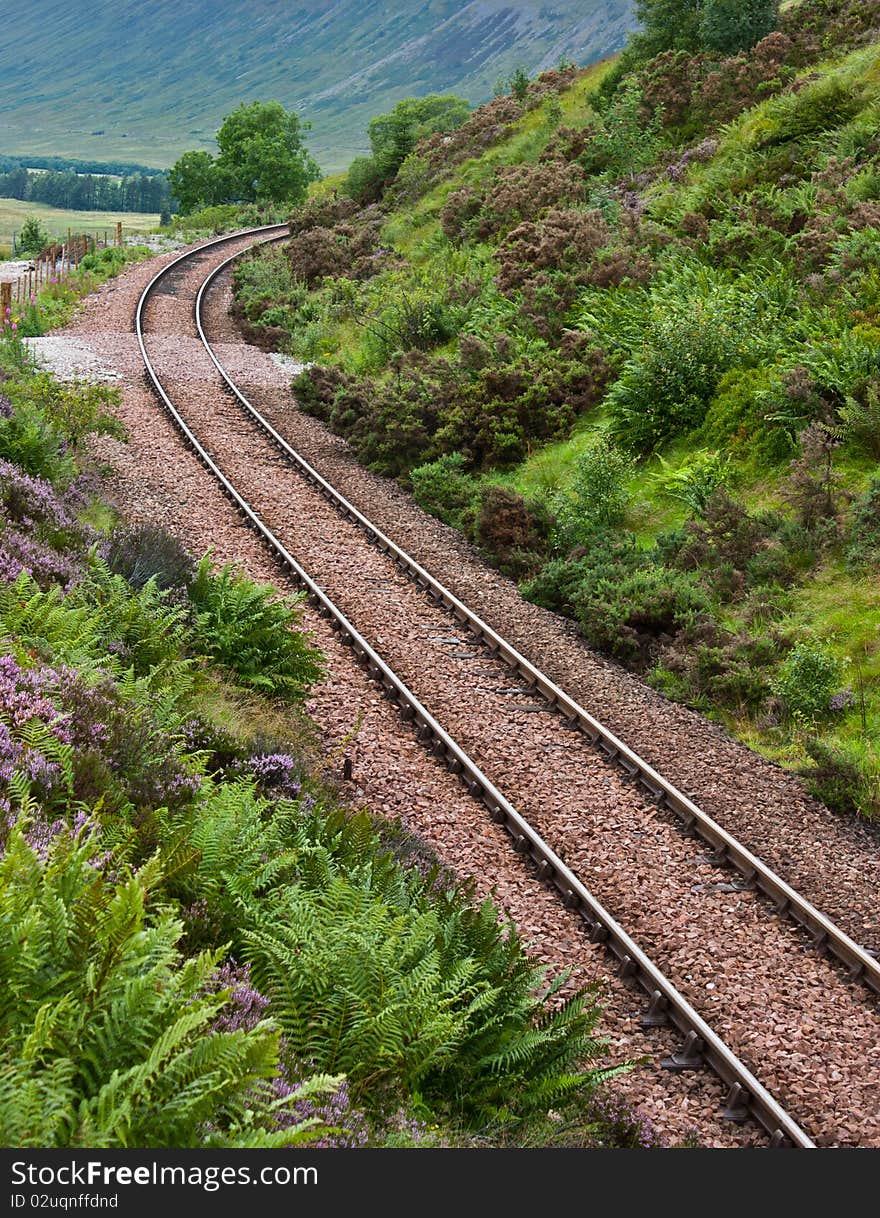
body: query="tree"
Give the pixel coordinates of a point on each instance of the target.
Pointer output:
(722, 26)
(193, 181)
(668, 25)
(393, 136)
(516, 84)
(33, 238)
(730, 26)
(262, 156)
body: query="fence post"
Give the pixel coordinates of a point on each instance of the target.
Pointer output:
(119, 232)
(5, 300)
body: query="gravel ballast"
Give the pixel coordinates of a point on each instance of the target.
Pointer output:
(781, 1006)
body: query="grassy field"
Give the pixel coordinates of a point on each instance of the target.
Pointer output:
(56, 221)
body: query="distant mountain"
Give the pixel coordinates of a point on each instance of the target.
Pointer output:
(116, 79)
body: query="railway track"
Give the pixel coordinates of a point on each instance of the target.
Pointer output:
(644, 787)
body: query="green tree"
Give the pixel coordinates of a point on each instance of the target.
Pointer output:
(194, 181)
(729, 26)
(262, 155)
(33, 237)
(393, 136)
(666, 25)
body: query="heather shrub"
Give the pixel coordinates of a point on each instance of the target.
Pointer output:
(813, 487)
(732, 550)
(563, 240)
(525, 191)
(240, 625)
(487, 125)
(34, 738)
(123, 751)
(351, 249)
(487, 410)
(711, 667)
(514, 532)
(144, 552)
(40, 530)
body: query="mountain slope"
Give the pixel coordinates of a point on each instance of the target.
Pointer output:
(149, 81)
(634, 356)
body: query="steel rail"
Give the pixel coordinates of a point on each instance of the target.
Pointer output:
(728, 851)
(747, 1096)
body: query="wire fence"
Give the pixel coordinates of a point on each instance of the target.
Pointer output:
(51, 263)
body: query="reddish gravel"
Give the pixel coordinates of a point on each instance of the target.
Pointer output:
(810, 1039)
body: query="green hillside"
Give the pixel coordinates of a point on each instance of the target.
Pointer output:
(145, 82)
(625, 335)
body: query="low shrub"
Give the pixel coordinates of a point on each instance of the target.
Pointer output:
(625, 603)
(445, 489)
(144, 552)
(863, 534)
(596, 495)
(513, 531)
(808, 677)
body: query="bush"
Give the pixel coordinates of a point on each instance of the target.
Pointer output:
(240, 625)
(711, 667)
(37, 448)
(846, 777)
(446, 490)
(675, 340)
(863, 537)
(740, 416)
(514, 532)
(33, 238)
(729, 26)
(807, 678)
(143, 552)
(597, 494)
(626, 605)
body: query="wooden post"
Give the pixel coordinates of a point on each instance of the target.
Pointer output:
(105, 238)
(6, 301)
(119, 232)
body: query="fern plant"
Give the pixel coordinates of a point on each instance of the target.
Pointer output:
(861, 418)
(385, 972)
(242, 626)
(108, 1031)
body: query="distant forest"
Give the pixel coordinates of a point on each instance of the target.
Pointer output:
(84, 185)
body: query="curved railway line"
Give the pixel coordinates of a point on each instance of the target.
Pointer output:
(352, 564)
